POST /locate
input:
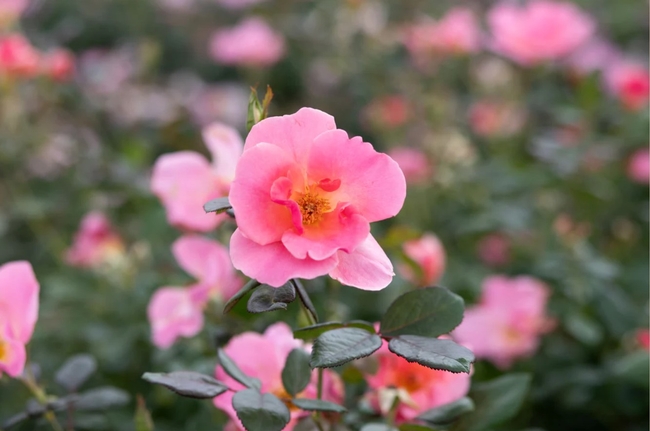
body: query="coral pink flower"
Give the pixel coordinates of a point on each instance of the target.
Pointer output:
(276, 343)
(95, 242)
(456, 33)
(18, 314)
(428, 254)
(643, 338)
(185, 180)
(540, 31)
(418, 387)
(178, 312)
(494, 249)
(18, 58)
(508, 321)
(10, 10)
(58, 64)
(413, 163)
(304, 196)
(629, 82)
(638, 166)
(252, 43)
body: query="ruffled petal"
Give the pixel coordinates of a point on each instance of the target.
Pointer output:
(226, 145)
(367, 267)
(205, 259)
(172, 313)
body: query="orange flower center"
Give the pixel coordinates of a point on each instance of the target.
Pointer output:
(312, 208)
(4, 350)
(410, 381)
(286, 399)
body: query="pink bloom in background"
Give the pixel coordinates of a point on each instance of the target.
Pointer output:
(413, 162)
(10, 10)
(251, 43)
(428, 255)
(178, 311)
(304, 195)
(418, 387)
(18, 314)
(494, 249)
(185, 180)
(593, 56)
(58, 64)
(643, 338)
(490, 118)
(508, 321)
(18, 58)
(263, 356)
(455, 33)
(638, 166)
(629, 81)
(238, 4)
(95, 243)
(539, 31)
(388, 111)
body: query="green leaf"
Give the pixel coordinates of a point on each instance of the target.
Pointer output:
(336, 347)
(143, 421)
(101, 399)
(75, 371)
(318, 405)
(296, 373)
(433, 353)
(257, 111)
(313, 331)
(260, 412)
(267, 298)
(233, 371)
(378, 427)
(447, 413)
(304, 298)
(251, 285)
(188, 383)
(496, 401)
(429, 312)
(218, 205)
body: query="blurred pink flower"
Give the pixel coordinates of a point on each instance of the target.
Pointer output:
(95, 242)
(178, 312)
(238, 4)
(252, 43)
(276, 343)
(507, 323)
(185, 180)
(593, 56)
(428, 254)
(638, 166)
(18, 314)
(388, 111)
(419, 388)
(18, 58)
(494, 249)
(643, 338)
(304, 195)
(539, 31)
(58, 64)
(629, 81)
(490, 118)
(413, 163)
(455, 33)
(10, 10)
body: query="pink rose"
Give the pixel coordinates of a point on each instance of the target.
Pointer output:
(178, 312)
(419, 388)
(95, 242)
(494, 249)
(455, 33)
(18, 58)
(413, 163)
(539, 31)
(629, 81)
(263, 356)
(638, 166)
(18, 314)
(58, 64)
(252, 43)
(304, 196)
(428, 254)
(185, 180)
(507, 323)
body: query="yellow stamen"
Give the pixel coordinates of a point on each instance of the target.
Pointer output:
(312, 208)
(3, 350)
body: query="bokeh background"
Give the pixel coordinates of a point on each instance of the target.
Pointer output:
(536, 168)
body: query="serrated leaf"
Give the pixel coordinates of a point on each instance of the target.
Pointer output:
(428, 312)
(251, 285)
(447, 413)
(296, 373)
(313, 331)
(188, 383)
(102, 398)
(217, 206)
(318, 405)
(266, 298)
(339, 346)
(75, 371)
(260, 412)
(433, 353)
(235, 372)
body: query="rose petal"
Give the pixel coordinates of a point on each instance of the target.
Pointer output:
(205, 259)
(226, 145)
(172, 314)
(14, 357)
(367, 268)
(19, 299)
